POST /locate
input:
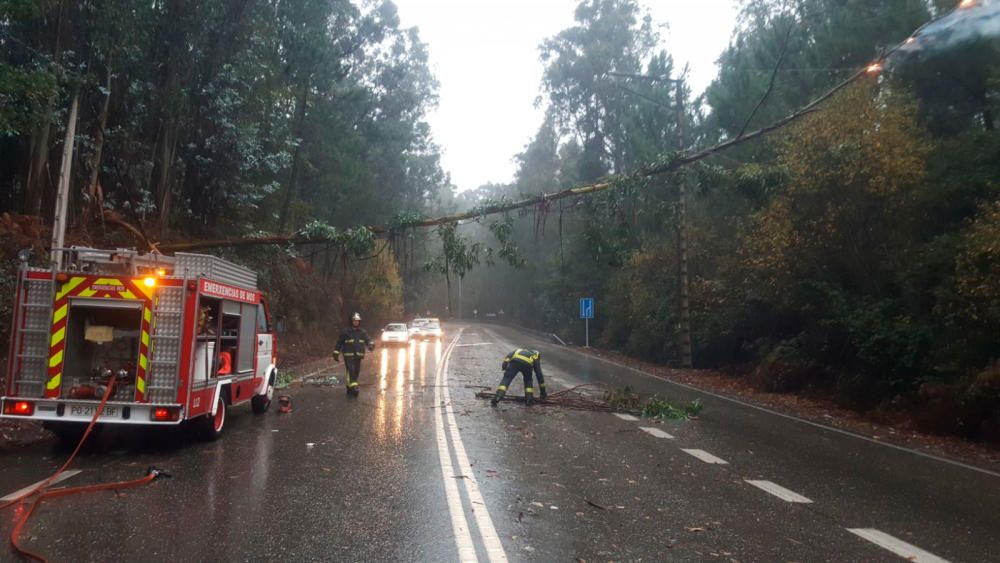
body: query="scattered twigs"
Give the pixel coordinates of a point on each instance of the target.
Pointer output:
(570, 398)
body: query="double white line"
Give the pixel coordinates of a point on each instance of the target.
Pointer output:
(460, 526)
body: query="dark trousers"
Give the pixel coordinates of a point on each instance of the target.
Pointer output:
(353, 366)
(512, 370)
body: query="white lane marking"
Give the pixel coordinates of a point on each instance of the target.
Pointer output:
(656, 432)
(778, 491)
(473, 344)
(62, 477)
(706, 457)
(897, 546)
(459, 525)
(627, 417)
(491, 541)
(788, 416)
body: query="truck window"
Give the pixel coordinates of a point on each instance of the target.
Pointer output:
(207, 360)
(247, 335)
(229, 340)
(262, 324)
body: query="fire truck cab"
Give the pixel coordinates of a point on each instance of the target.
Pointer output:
(177, 338)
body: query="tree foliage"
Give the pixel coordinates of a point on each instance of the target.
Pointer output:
(227, 119)
(853, 252)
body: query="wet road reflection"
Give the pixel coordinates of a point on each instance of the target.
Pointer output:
(396, 367)
(331, 451)
(423, 362)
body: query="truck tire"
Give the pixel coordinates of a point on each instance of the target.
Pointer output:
(261, 403)
(212, 425)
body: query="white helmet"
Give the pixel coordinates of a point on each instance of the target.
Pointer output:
(356, 317)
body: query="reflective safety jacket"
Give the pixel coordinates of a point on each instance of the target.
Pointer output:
(531, 359)
(353, 343)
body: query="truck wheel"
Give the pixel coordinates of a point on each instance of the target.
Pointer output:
(260, 403)
(211, 426)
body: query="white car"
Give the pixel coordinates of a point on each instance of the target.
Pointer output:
(395, 333)
(430, 330)
(415, 326)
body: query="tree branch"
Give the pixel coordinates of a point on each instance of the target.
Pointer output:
(770, 86)
(672, 165)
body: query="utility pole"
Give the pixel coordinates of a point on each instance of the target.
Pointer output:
(62, 193)
(687, 360)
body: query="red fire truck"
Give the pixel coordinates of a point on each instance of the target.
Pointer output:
(179, 338)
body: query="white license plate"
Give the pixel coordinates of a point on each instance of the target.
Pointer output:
(89, 410)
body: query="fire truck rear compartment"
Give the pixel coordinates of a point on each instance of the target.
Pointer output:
(102, 345)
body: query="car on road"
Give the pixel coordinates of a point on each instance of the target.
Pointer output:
(426, 329)
(430, 330)
(395, 333)
(415, 326)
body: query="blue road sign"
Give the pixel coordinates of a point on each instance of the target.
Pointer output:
(587, 308)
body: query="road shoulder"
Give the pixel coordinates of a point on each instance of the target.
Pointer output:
(813, 410)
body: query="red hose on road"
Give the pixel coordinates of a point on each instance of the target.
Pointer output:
(41, 486)
(42, 492)
(15, 535)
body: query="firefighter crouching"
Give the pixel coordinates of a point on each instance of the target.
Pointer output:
(524, 362)
(353, 343)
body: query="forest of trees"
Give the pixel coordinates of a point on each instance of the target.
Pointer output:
(854, 253)
(225, 119)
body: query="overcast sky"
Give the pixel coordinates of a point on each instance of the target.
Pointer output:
(485, 55)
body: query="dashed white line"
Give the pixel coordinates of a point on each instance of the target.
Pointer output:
(627, 417)
(896, 545)
(488, 533)
(818, 425)
(62, 477)
(706, 457)
(778, 491)
(656, 432)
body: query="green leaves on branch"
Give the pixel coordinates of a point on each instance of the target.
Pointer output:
(663, 409)
(457, 256)
(404, 220)
(490, 206)
(503, 231)
(357, 242)
(24, 97)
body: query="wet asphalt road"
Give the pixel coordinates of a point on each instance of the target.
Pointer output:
(383, 478)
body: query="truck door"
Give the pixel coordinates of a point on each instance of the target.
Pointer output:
(265, 343)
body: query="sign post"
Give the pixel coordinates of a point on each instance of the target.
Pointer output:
(587, 313)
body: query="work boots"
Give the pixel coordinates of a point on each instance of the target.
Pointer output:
(352, 389)
(496, 398)
(529, 399)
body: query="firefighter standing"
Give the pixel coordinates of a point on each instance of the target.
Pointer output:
(353, 343)
(525, 362)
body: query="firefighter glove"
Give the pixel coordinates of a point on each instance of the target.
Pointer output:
(336, 356)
